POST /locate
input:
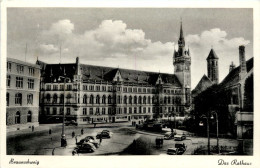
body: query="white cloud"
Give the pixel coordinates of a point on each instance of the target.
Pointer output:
(225, 48)
(112, 43)
(49, 48)
(111, 39)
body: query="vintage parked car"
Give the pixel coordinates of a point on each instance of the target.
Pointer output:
(72, 122)
(104, 134)
(179, 149)
(179, 137)
(169, 135)
(85, 147)
(89, 139)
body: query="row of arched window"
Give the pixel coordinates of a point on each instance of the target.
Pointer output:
(17, 116)
(18, 98)
(118, 99)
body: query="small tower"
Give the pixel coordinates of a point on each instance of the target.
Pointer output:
(212, 61)
(231, 66)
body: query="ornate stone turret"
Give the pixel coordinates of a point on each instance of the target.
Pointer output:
(231, 66)
(182, 62)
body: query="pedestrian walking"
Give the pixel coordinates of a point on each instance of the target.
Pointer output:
(49, 131)
(100, 140)
(76, 138)
(73, 134)
(95, 125)
(53, 151)
(82, 131)
(32, 128)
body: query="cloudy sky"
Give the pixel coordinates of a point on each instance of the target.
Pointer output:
(133, 38)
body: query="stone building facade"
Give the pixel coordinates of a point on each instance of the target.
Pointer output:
(22, 94)
(95, 94)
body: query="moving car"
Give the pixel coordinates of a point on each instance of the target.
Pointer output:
(179, 137)
(179, 149)
(89, 139)
(169, 135)
(72, 122)
(86, 147)
(104, 134)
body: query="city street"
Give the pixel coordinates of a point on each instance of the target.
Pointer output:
(121, 142)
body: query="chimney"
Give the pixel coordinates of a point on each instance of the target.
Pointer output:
(242, 62)
(231, 66)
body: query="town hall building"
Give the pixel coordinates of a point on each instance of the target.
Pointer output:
(93, 94)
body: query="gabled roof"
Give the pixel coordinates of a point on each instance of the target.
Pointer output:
(233, 76)
(101, 73)
(203, 84)
(212, 55)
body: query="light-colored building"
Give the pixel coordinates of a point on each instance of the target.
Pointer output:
(22, 94)
(104, 94)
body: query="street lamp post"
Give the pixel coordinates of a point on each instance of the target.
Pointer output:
(63, 137)
(203, 116)
(213, 112)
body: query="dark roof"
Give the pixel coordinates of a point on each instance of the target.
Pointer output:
(212, 55)
(233, 76)
(203, 84)
(101, 73)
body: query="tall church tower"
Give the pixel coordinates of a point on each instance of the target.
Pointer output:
(212, 61)
(182, 62)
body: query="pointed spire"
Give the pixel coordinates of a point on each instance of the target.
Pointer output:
(181, 31)
(212, 55)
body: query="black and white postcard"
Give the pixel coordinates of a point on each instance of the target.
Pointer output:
(89, 84)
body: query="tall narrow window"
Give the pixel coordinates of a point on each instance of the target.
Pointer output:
(130, 99)
(30, 99)
(68, 111)
(19, 82)
(8, 81)
(61, 111)
(30, 84)
(97, 99)
(9, 66)
(91, 99)
(48, 98)
(135, 100)
(68, 98)
(20, 69)
(140, 100)
(18, 98)
(31, 71)
(54, 111)
(104, 99)
(109, 99)
(55, 99)
(29, 116)
(91, 111)
(7, 99)
(97, 111)
(17, 117)
(85, 99)
(61, 99)
(103, 111)
(144, 99)
(125, 99)
(84, 111)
